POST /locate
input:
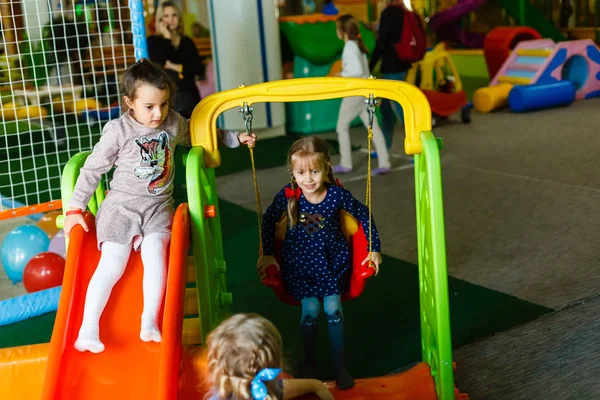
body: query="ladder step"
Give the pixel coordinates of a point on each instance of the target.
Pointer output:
(530, 60)
(190, 304)
(520, 73)
(525, 67)
(191, 270)
(514, 80)
(191, 332)
(535, 52)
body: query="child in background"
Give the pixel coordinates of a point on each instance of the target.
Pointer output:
(245, 358)
(355, 65)
(138, 210)
(316, 258)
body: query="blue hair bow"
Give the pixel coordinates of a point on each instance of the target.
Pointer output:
(257, 387)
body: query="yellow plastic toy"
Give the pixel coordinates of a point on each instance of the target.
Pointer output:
(12, 111)
(438, 78)
(436, 65)
(491, 98)
(417, 117)
(77, 106)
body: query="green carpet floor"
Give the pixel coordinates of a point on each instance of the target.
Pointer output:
(383, 329)
(382, 326)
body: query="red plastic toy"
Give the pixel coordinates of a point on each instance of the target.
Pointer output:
(358, 242)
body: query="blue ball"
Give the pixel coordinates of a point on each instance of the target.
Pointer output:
(19, 246)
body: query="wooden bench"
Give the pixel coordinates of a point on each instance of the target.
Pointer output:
(204, 46)
(103, 60)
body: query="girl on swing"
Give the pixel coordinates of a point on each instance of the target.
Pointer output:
(316, 258)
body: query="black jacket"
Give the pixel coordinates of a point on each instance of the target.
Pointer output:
(391, 24)
(160, 50)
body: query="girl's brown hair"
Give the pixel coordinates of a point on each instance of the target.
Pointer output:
(239, 348)
(349, 25)
(315, 153)
(146, 72)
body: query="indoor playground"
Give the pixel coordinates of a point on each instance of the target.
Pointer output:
(489, 286)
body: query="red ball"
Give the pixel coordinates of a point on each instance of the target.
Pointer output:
(43, 271)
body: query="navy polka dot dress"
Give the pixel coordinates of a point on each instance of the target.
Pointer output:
(316, 259)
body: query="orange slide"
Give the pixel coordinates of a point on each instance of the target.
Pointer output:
(128, 368)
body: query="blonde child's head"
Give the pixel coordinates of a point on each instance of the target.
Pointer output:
(237, 350)
(309, 153)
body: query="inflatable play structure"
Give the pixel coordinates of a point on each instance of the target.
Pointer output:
(175, 368)
(544, 71)
(501, 41)
(310, 41)
(439, 80)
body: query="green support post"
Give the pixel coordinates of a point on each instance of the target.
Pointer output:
(213, 299)
(436, 342)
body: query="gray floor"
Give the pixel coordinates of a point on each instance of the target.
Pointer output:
(555, 357)
(522, 216)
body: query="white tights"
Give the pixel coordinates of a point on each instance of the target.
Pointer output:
(111, 267)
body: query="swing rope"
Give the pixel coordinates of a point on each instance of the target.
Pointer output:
(371, 102)
(247, 115)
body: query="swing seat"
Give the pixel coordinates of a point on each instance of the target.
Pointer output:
(357, 240)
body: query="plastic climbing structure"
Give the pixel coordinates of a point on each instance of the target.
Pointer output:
(174, 368)
(434, 378)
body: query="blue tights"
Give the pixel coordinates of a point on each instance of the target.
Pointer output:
(332, 305)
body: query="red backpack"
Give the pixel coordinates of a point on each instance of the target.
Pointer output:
(413, 42)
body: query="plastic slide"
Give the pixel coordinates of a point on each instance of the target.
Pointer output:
(532, 17)
(128, 368)
(415, 383)
(447, 24)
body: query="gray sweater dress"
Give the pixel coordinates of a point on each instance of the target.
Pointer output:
(140, 198)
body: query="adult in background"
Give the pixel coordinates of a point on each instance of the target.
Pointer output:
(177, 53)
(391, 24)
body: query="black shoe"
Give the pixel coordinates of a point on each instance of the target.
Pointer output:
(344, 379)
(309, 330)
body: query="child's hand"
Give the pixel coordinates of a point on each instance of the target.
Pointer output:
(322, 392)
(264, 262)
(249, 140)
(71, 221)
(375, 259)
(293, 388)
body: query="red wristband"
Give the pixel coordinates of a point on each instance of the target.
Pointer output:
(73, 212)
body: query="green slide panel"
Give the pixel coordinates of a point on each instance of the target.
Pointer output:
(209, 262)
(528, 15)
(436, 341)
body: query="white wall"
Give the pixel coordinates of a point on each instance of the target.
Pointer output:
(246, 52)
